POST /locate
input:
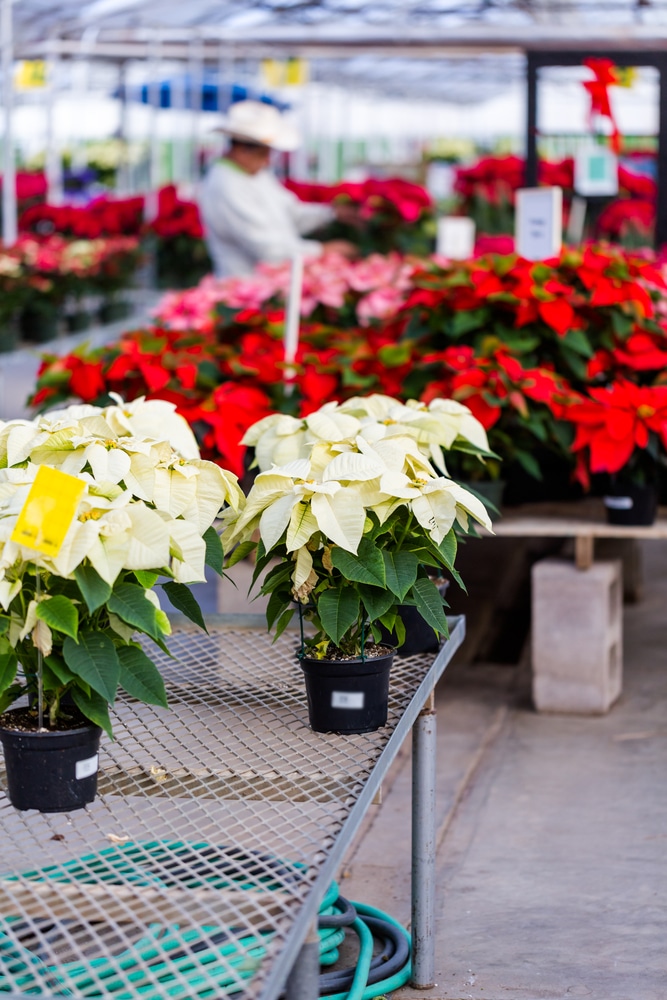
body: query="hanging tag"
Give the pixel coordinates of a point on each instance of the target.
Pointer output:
(49, 510)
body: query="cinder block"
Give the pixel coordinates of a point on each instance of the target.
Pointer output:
(577, 636)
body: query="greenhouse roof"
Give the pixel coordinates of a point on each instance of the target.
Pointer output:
(478, 44)
(354, 23)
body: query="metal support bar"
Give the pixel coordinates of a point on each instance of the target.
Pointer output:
(54, 172)
(154, 172)
(9, 221)
(303, 982)
(423, 847)
(196, 67)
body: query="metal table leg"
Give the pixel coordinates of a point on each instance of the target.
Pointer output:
(423, 847)
(303, 982)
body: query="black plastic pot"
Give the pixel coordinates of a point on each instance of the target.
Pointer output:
(628, 503)
(347, 696)
(77, 321)
(39, 322)
(419, 636)
(51, 772)
(114, 310)
(9, 334)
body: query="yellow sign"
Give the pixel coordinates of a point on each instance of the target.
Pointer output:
(48, 511)
(285, 72)
(31, 73)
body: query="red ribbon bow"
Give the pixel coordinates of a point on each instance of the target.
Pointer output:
(605, 77)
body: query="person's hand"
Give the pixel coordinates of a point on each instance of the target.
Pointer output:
(348, 214)
(342, 247)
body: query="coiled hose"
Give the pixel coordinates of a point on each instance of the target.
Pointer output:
(372, 976)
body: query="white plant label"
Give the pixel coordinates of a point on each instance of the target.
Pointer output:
(539, 220)
(619, 503)
(347, 699)
(84, 768)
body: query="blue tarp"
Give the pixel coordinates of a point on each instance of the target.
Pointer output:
(178, 93)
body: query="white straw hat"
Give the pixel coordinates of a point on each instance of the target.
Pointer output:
(254, 121)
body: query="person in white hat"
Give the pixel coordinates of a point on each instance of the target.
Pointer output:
(248, 216)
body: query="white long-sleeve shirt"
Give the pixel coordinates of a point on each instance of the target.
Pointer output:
(250, 218)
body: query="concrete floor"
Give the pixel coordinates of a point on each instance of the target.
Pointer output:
(551, 858)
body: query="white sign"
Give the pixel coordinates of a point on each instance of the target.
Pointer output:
(455, 237)
(440, 180)
(347, 699)
(595, 171)
(539, 222)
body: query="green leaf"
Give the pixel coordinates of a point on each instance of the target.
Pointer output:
(464, 321)
(429, 604)
(215, 556)
(94, 589)
(238, 553)
(94, 659)
(280, 574)
(145, 579)
(140, 677)
(59, 669)
(448, 548)
(529, 463)
(377, 601)
(283, 622)
(8, 665)
(575, 362)
(275, 607)
(394, 624)
(577, 341)
(366, 567)
(9, 696)
(60, 614)
(94, 707)
(622, 325)
(400, 571)
(129, 602)
(184, 600)
(338, 611)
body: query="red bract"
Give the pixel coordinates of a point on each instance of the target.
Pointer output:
(624, 216)
(87, 381)
(232, 408)
(612, 422)
(373, 196)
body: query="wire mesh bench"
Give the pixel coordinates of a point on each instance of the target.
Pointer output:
(218, 826)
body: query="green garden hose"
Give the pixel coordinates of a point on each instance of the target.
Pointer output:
(198, 962)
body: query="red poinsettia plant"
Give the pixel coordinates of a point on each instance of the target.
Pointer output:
(520, 343)
(621, 429)
(394, 213)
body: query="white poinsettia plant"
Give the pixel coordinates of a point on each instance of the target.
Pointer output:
(145, 517)
(350, 501)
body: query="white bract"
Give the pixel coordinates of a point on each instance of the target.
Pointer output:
(441, 425)
(312, 503)
(148, 500)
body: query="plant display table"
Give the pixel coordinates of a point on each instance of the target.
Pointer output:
(218, 827)
(584, 521)
(577, 627)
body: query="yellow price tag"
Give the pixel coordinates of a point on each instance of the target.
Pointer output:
(48, 511)
(291, 72)
(31, 74)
